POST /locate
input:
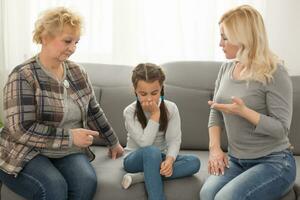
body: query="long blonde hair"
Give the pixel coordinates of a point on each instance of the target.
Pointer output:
(244, 26)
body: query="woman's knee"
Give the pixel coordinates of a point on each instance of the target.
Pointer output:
(206, 193)
(53, 188)
(87, 180)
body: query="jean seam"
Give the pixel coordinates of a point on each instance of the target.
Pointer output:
(38, 183)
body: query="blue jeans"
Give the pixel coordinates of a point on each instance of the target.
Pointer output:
(268, 177)
(148, 160)
(70, 177)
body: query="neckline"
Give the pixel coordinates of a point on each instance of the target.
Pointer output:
(49, 73)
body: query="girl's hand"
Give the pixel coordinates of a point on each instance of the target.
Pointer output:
(237, 106)
(152, 108)
(217, 162)
(166, 167)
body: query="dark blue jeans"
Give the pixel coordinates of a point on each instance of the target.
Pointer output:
(268, 178)
(70, 177)
(148, 160)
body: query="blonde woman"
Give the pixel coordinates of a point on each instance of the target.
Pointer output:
(52, 117)
(253, 103)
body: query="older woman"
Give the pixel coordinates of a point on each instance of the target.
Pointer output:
(253, 102)
(52, 117)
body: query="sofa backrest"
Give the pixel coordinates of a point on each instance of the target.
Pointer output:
(189, 84)
(295, 126)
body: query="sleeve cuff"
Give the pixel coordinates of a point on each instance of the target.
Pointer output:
(70, 138)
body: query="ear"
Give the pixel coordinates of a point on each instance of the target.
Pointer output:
(46, 38)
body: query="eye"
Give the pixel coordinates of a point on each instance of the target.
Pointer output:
(143, 94)
(154, 93)
(68, 41)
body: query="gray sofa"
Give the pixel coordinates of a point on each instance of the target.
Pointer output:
(190, 85)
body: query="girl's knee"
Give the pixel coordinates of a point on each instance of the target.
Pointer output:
(196, 163)
(152, 149)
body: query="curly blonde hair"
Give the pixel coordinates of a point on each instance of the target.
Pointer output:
(51, 22)
(244, 27)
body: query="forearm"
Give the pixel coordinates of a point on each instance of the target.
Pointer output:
(215, 137)
(250, 115)
(40, 136)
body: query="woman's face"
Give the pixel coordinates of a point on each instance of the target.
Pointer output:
(61, 46)
(148, 91)
(229, 49)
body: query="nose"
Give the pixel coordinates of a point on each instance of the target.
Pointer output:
(221, 43)
(72, 47)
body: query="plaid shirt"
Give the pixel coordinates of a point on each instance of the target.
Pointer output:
(33, 108)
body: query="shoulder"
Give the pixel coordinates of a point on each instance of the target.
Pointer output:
(226, 66)
(130, 109)
(172, 107)
(24, 70)
(281, 79)
(280, 74)
(280, 71)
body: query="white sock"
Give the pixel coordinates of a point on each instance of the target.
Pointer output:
(132, 178)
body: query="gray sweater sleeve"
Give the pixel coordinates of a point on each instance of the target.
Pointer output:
(143, 137)
(279, 100)
(215, 116)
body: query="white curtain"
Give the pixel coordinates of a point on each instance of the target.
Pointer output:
(122, 31)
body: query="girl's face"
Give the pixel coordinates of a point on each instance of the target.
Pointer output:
(148, 91)
(229, 49)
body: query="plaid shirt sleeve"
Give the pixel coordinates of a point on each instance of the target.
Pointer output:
(21, 118)
(98, 121)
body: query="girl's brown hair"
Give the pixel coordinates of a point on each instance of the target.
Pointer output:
(149, 72)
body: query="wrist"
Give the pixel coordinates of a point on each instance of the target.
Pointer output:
(214, 147)
(170, 159)
(155, 116)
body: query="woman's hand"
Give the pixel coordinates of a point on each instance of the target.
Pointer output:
(166, 167)
(83, 137)
(116, 152)
(237, 106)
(217, 161)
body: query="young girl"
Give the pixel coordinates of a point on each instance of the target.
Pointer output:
(154, 135)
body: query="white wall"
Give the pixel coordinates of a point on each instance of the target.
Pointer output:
(282, 21)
